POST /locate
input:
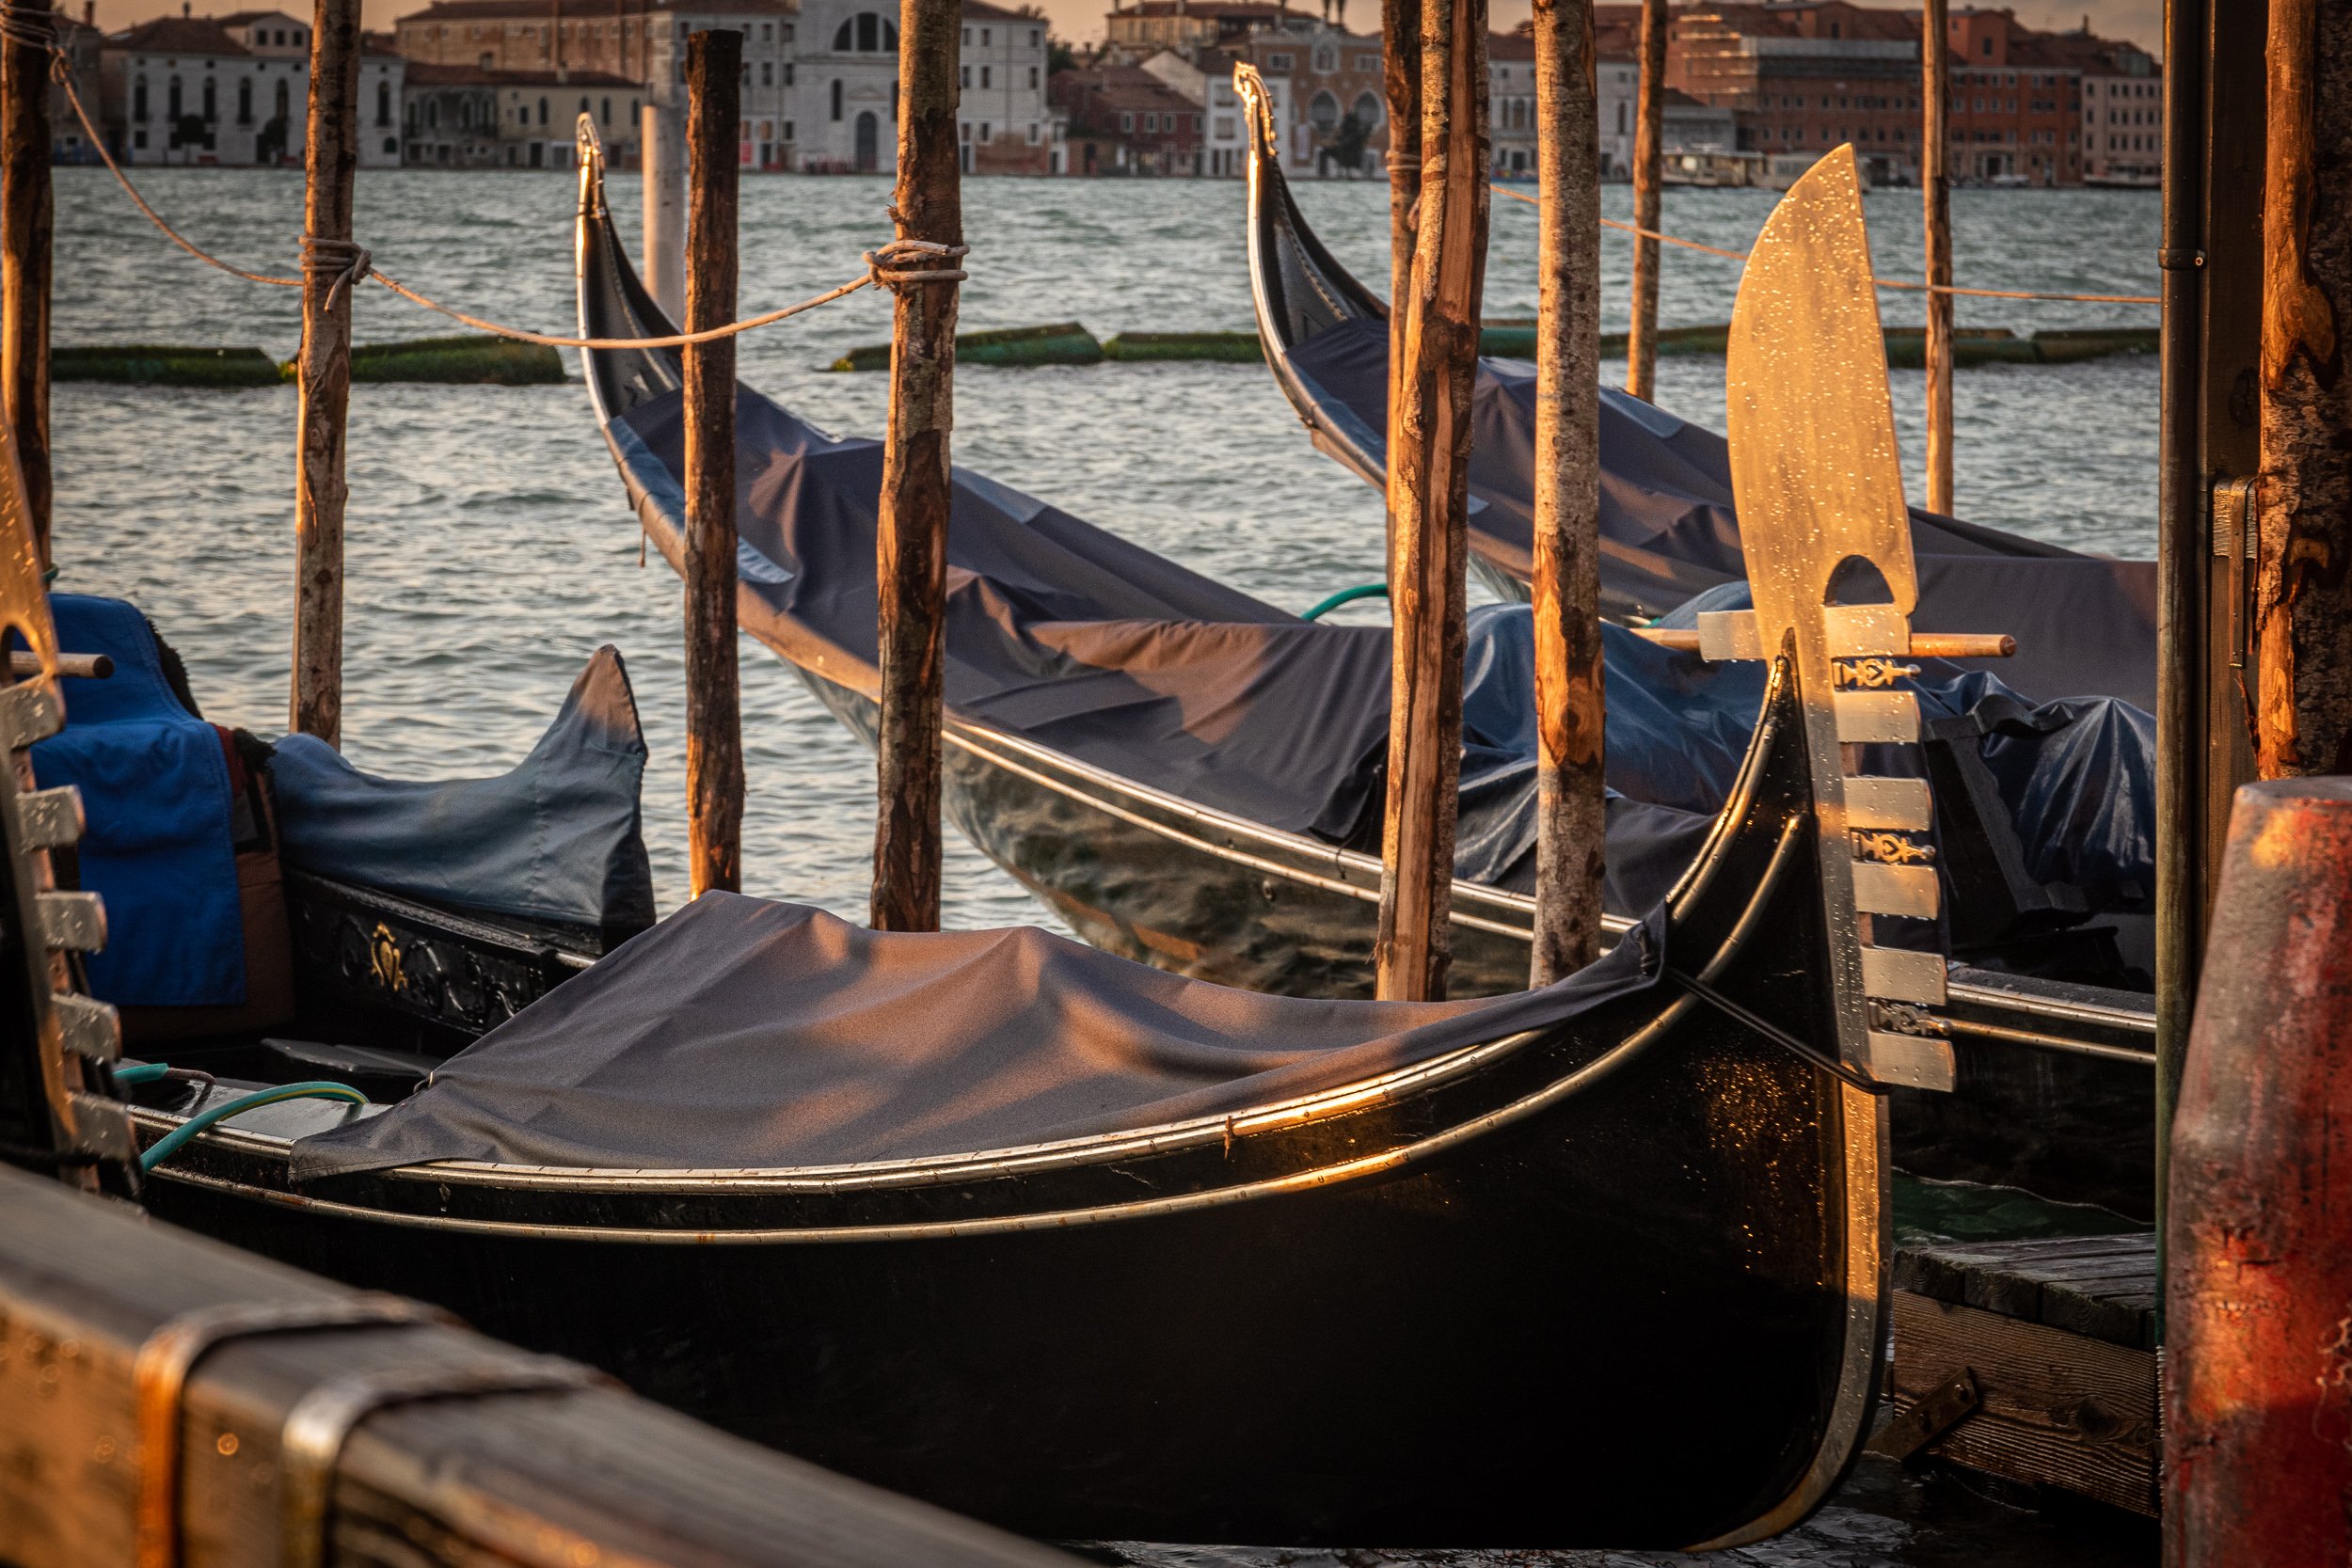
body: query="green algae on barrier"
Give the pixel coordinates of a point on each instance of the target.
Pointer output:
(467, 358)
(1061, 344)
(164, 365)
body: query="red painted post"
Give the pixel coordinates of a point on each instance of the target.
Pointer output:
(2257, 1331)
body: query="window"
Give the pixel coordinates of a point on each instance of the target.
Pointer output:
(1280, 65)
(983, 38)
(963, 77)
(1032, 78)
(1325, 113)
(767, 73)
(967, 38)
(865, 33)
(1033, 45)
(1196, 125)
(1150, 123)
(138, 100)
(964, 130)
(604, 110)
(1127, 122)
(212, 103)
(984, 132)
(789, 131)
(1033, 133)
(836, 98)
(171, 102)
(543, 111)
(987, 73)
(1328, 59)
(383, 103)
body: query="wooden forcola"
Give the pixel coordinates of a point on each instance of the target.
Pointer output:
(910, 539)
(714, 730)
(1429, 441)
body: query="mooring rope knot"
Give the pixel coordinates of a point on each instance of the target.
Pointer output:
(888, 266)
(348, 259)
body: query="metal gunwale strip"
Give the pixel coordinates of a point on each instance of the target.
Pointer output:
(2127, 1020)
(164, 1360)
(1365, 1166)
(2137, 1056)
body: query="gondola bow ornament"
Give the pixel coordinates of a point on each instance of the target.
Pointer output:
(1820, 487)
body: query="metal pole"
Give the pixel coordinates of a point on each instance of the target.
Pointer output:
(1649, 129)
(714, 728)
(2181, 547)
(26, 218)
(1428, 501)
(662, 159)
(331, 163)
(1935, 194)
(912, 538)
(1571, 821)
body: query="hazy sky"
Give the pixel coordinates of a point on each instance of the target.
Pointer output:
(2137, 20)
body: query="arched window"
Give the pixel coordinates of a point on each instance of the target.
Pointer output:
(1368, 111)
(245, 100)
(432, 114)
(583, 106)
(836, 98)
(543, 111)
(865, 33)
(383, 103)
(606, 105)
(212, 103)
(138, 98)
(1324, 112)
(281, 97)
(171, 101)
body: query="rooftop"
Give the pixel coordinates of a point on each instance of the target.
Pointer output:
(421, 75)
(478, 11)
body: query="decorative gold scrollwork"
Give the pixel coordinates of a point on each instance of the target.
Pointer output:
(1872, 673)
(384, 954)
(1891, 849)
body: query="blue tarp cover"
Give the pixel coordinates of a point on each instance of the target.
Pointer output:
(155, 792)
(559, 837)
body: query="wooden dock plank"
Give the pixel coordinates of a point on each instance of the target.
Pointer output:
(2057, 1408)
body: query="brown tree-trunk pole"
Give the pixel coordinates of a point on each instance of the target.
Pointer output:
(1571, 825)
(714, 725)
(1400, 64)
(331, 162)
(910, 539)
(1567, 586)
(1429, 442)
(26, 220)
(1649, 134)
(1935, 192)
(2303, 591)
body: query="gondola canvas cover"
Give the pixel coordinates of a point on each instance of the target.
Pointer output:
(740, 1033)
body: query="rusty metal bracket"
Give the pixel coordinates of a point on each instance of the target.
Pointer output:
(1930, 1418)
(2237, 541)
(311, 1446)
(160, 1382)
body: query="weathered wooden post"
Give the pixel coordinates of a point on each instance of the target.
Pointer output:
(1935, 195)
(26, 219)
(1649, 131)
(2258, 1355)
(714, 727)
(2303, 593)
(1400, 65)
(661, 159)
(1570, 824)
(1429, 439)
(323, 379)
(911, 538)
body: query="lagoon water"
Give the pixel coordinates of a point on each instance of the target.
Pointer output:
(490, 550)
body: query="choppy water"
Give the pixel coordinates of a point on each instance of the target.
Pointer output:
(490, 551)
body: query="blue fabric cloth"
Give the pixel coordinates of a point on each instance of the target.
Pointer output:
(156, 794)
(559, 837)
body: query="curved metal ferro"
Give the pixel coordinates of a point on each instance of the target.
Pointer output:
(159, 1379)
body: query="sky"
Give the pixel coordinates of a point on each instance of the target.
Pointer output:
(2140, 20)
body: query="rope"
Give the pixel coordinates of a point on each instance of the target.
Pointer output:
(1880, 282)
(351, 263)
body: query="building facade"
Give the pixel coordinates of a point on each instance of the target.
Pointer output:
(1124, 119)
(233, 90)
(2122, 109)
(466, 117)
(1005, 121)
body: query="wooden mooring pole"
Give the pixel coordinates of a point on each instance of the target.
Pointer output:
(714, 725)
(322, 380)
(2303, 590)
(27, 223)
(1649, 131)
(1429, 441)
(1935, 195)
(662, 164)
(911, 537)
(1400, 65)
(1571, 824)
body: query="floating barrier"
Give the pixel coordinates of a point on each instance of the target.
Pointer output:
(1233, 348)
(467, 358)
(164, 365)
(1062, 343)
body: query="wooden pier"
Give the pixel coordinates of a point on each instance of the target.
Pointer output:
(2034, 1360)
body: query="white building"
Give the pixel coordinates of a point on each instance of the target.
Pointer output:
(1225, 142)
(233, 90)
(2124, 122)
(845, 89)
(1619, 82)
(1002, 118)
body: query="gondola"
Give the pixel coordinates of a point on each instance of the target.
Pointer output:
(1181, 854)
(1098, 1252)
(276, 893)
